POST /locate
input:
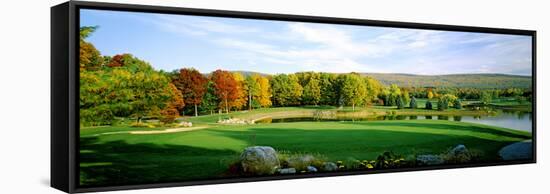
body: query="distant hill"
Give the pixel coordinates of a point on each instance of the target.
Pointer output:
(249, 73)
(244, 73)
(450, 80)
(453, 80)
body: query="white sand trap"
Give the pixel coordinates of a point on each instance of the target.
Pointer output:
(173, 130)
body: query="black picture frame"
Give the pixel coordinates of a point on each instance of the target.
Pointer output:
(64, 87)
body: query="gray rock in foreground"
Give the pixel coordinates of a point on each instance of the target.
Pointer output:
(517, 151)
(311, 169)
(286, 171)
(459, 150)
(429, 159)
(329, 166)
(259, 160)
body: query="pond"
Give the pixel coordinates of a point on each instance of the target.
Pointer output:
(519, 120)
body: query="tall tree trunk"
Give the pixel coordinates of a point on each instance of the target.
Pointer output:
(249, 101)
(196, 112)
(353, 106)
(226, 106)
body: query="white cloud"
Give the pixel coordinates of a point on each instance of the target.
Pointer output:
(192, 25)
(328, 48)
(320, 47)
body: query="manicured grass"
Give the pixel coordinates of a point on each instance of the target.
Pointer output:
(123, 158)
(509, 102)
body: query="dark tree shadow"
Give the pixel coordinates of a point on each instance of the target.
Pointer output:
(120, 163)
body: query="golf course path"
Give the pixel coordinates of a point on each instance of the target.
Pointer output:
(517, 151)
(172, 130)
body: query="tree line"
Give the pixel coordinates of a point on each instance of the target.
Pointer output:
(126, 86)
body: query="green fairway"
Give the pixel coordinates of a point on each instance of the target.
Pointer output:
(112, 155)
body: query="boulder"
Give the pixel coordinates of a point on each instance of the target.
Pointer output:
(311, 169)
(329, 166)
(458, 150)
(259, 160)
(517, 151)
(429, 159)
(458, 155)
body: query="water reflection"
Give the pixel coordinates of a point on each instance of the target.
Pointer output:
(519, 120)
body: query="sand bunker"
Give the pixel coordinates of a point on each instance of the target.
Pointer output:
(173, 130)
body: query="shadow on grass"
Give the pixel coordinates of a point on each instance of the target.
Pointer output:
(119, 163)
(472, 128)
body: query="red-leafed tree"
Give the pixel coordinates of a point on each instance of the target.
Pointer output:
(116, 61)
(192, 85)
(225, 86)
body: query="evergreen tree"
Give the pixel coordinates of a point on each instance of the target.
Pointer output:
(400, 103)
(457, 104)
(413, 103)
(429, 105)
(442, 104)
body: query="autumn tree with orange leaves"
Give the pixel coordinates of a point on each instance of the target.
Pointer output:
(170, 112)
(192, 85)
(226, 87)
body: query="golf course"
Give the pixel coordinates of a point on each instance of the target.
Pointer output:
(119, 155)
(292, 99)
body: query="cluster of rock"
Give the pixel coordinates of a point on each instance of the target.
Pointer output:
(185, 124)
(236, 121)
(459, 154)
(324, 114)
(263, 160)
(429, 159)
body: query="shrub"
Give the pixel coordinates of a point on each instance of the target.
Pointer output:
(368, 164)
(300, 161)
(169, 115)
(389, 160)
(468, 157)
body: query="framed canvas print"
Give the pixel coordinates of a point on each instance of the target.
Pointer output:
(148, 96)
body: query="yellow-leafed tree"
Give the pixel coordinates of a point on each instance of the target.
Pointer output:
(241, 98)
(265, 92)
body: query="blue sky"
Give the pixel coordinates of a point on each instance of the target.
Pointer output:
(171, 42)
